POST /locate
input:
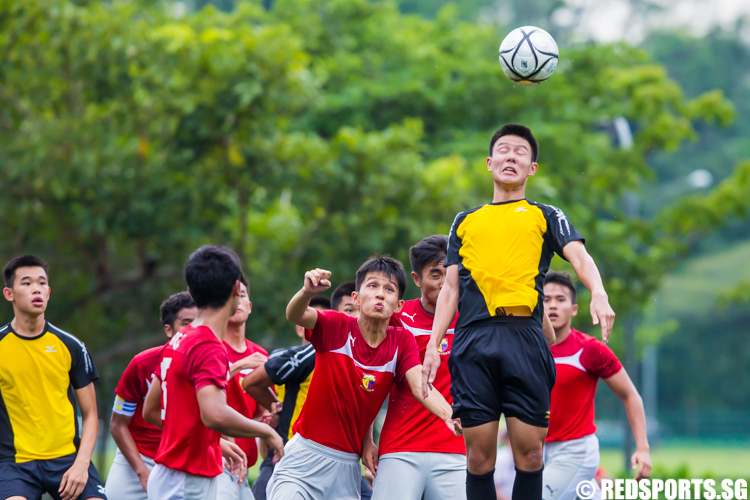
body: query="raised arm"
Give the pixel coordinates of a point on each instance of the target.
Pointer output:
(445, 311)
(299, 311)
(585, 267)
(436, 403)
(624, 389)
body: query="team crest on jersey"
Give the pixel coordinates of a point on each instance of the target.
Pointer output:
(443, 347)
(368, 382)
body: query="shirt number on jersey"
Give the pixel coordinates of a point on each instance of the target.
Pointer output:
(164, 367)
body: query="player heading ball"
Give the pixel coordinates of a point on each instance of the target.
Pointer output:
(358, 360)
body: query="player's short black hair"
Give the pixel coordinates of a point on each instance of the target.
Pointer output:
(9, 272)
(520, 131)
(343, 290)
(211, 272)
(383, 264)
(172, 306)
(320, 301)
(431, 249)
(564, 280)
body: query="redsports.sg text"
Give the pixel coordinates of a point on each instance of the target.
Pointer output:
(671, 489)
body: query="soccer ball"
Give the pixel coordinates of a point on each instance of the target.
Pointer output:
(528, 55)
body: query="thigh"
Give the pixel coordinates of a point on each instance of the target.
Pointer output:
(122, 481)
(446, 477)
(20, 480)
(201, 488)
(481, 447)
(474, 377)
(54, 470)
(399, 476)
(166, 484)
(228, 487)
(260, 484)
(565, 460)
(302, 472)
(347, 483)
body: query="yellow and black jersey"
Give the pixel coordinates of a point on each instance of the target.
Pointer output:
(38, 376)
(291, 370)
(503, 251)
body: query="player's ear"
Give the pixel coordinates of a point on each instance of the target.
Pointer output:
(398, 307)
(355, 298)
(249, 307)
(575, 309)
(415, 277)
(489, 164)
(168, 330)
(534, 168)
(8, 294)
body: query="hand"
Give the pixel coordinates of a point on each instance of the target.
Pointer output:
(248, 363)
(272, 418)
(235, 458)
(642, 460)
(454, 424)
(370, 456)
(74, 480)
(274, 441)
(602, 312)
(143, 477)
(317, 281)
(429, 368)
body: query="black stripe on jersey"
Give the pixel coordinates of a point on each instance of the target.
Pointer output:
(7, 444)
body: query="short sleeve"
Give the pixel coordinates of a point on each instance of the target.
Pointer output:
(560, 230)
(291, 366)
(330, 328)
(207, 363)
(82, 371)
(408, 355)
(129, 388)
(454, 243)
(599, 360)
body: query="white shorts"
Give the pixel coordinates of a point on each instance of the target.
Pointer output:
(122, 481)
(567, 463)
(415, 476)
(170, 484)
(229, 489)
(310, 471)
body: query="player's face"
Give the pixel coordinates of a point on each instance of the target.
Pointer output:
(511, 161)
(558, 305)
(243, 308)
(30, 291)
(184, 318)
(431, 281)
(377, 298)
(348, 306)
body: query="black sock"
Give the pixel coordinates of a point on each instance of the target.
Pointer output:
(480, 487)
(528, 485)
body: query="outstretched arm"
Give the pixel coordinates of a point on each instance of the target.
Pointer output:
(258, 385)
(436, 403)
(624, 389)
(445, 311)
(585, 267)
(299, 311)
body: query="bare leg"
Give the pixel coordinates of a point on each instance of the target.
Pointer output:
(527, 443)
(481, 447)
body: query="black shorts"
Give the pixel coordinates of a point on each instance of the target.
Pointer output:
(501, 368)
(31, 479)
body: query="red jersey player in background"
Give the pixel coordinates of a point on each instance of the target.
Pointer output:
(357, 362)
(188, 397)
(137, 440)
(420, 458)
(244, 357)
(571, 451)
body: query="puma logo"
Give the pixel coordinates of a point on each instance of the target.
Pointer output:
(410, 316)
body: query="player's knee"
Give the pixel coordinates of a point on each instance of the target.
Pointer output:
(479, 461)
(531, 460)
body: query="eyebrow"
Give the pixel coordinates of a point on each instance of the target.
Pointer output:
(511, 144)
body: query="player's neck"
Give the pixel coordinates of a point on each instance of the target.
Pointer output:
(562, 333)
(215, 319)
(430, 308)
(27, 325)
(504, 193)
(235, 336)
(373, 330)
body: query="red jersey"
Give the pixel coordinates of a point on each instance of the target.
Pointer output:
(351, 380)
(193, 359)
(241, 401)
(581, 361)
(131, 392)
(408, 425)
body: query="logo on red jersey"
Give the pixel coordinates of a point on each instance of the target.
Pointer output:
(443, 349)
(368, 382)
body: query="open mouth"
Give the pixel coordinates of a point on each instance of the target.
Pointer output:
(552, 316)
(37, 302)
(510, 169)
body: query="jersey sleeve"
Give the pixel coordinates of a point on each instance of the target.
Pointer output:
(454, 243)
(207, 363)
(129, 391)
(560, 230)
(291, 366)
(82, 370)
(329, 328)
(599, 360)
(408, 355)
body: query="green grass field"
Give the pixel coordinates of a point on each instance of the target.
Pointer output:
(700, 460)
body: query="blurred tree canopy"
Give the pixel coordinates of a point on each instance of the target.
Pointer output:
(314, 134)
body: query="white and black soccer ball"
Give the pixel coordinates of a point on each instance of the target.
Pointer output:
(529, 55)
